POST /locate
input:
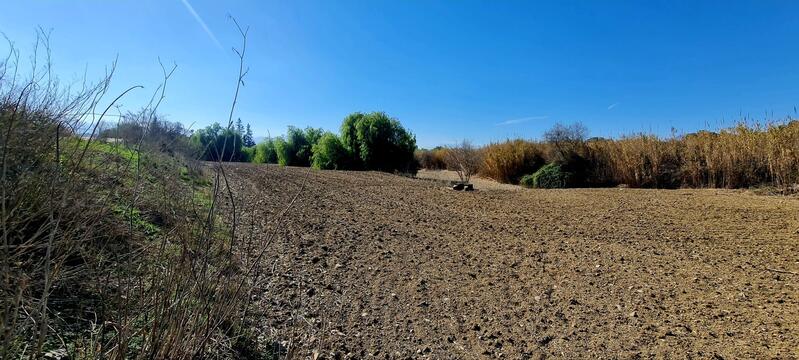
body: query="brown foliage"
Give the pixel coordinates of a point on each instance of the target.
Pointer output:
(508, 161)
(464, 159)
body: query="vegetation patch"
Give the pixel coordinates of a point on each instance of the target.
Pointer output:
(550, 176)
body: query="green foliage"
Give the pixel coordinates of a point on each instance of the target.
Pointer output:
(135, 217)
(247, 137)
(550, 176)
(368, 141)
(308, 138)
(248, 154)
(217, 143)
(349, 136)
(379, 142)
(265, 152)
(330, 154)
(296, 148)
(283, 151)
(527, 181)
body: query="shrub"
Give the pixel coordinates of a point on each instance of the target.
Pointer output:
(550, 176)
(265, 152)
(507, 162)
(527, 181)
(464, 159)
(330, 154)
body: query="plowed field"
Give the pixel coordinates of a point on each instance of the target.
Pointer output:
(373, 265)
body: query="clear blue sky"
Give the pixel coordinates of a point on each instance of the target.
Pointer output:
(449, 70)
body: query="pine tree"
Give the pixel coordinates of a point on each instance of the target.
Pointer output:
(248, 140)
(239, 127)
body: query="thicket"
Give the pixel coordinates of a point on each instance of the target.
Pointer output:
(508, 161)
(111, 249)
(433, 159)
(372, 141)
(742, 156)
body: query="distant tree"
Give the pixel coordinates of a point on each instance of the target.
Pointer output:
(464, 159)
(153, 131)
(566, 140)
(217, 143)
(568, 150)
(379, 142)
(239, 127)
(247, 137)
(247, 154)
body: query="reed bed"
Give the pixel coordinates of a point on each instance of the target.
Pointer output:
(746, 155)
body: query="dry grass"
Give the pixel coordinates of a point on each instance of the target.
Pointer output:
(508, 161)
(743, 156)
(434, 159)
(111, 251)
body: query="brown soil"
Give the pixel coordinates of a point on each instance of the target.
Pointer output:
(375, 265)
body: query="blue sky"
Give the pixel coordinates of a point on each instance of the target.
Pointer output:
(449, 70)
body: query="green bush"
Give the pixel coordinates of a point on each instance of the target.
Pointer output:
(265, 152)
(527, 181)
(550, 176)
(330, 154)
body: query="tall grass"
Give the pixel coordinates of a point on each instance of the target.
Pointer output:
(746, 155)
(434, 159)
(508, 161)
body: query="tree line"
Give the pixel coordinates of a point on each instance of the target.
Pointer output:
(366, 141)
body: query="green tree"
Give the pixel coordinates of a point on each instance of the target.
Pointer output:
(330, 154)
(384, 144)
(265, 152)
(296, 150)
(247, 137)
(239, 127)
(349, 135)
(310, 136)
(217, 143)
(283, 151)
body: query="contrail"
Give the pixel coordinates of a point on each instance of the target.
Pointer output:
(201, 22)
(522, 120)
